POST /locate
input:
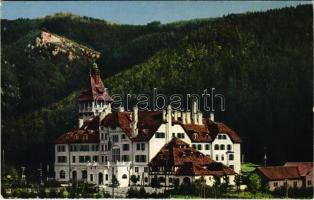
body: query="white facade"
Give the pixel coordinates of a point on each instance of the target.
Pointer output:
(117, 154)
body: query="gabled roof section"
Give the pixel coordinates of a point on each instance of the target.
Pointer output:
(304, 168)
(188, 161)
(94, 88)
(88, 133)
(279, 172)
(148, 123)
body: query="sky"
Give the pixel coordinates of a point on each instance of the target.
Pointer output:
(138, 12)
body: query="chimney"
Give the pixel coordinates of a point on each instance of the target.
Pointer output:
(194, 111)
(169, 121)
(175, 115)
(188, 117)
(212, 117)
(200, 118)
(164, 112)
(183, 116)
(80, 122)
(121, 109)
(135, 121)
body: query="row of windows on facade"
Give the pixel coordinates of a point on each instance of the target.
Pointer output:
(231, 157)
(139, 147)
(91, 176)
(83, 147)
(115, 138)
(295, 184)
(115, 157)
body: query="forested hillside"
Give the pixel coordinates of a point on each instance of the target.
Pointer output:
(261, 62)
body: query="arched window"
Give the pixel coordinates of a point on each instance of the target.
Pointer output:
(195, 135)
(229, 147)
(231, 157)
(219, 137)
(199, 147)
(62, 174)
(216, 147)
(124, 176)
(224, 137)
(222, 147)
(207, 147)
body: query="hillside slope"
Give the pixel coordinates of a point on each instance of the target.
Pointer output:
(261, 62)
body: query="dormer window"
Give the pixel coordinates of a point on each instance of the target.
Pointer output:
(195, 135)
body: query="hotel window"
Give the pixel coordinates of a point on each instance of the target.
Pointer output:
(106, 136)
(140, 158)
(102, 147)
(275, 184)
(124, 176)
(62, 159)
(145, 179)
(123, 136)
(231, 166)
(115, 138)
(222, 147)
(216, 147)
(84, 148)
(81, 159)
(115, 155)
(229, 147)
(73, 159)
(219, 137)
(173, 135)
(217, 157)
(145, 169)
(136, 169)
(61, 148)
(295, 184)
(125, 147)
(207, 147)
(180, 135)
(194, 146)
(95, 158)
(170, 180)
(199, 147)
(125, 158)
(224, 137)
(62, 174)
(231, 157)
(140, 146)
(87, 158)
(222, 157)
(309, 182)
(160, 135)
(73, 148)
(101, 136)
(91, 177)
(106, 177)
(102, 158)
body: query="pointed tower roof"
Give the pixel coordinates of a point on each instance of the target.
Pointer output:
(94, 88)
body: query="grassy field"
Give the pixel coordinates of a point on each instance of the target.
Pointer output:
(248, 167)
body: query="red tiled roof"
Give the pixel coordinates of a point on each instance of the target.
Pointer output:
(78, 136)
(279, 172)
(94, 88)
(148, 123)
(88, 133)
(304, 168)
(177, 153)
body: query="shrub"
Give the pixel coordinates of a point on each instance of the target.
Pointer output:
(254, 183)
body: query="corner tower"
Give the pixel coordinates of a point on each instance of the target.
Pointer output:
(94, 97)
